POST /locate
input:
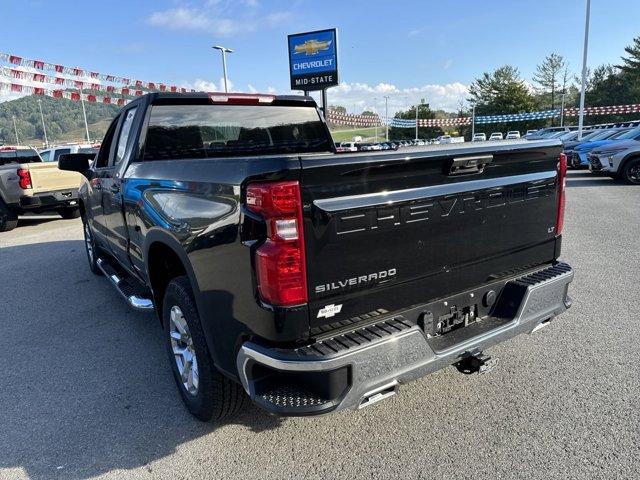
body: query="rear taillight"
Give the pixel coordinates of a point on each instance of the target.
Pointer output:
(562, 179)
(280, 261)
(25, 178)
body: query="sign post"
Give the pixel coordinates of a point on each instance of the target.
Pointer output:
(313, 62)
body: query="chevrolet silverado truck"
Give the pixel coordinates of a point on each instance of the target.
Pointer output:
(29, 185)
(310, 281)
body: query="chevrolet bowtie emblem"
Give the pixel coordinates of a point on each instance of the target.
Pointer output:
(312, 47)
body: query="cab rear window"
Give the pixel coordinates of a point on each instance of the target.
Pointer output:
(209, 131)
(23, 155)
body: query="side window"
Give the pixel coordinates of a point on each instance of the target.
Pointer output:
(45, 155)
(125, 132)
(103, 155)
(62, 151)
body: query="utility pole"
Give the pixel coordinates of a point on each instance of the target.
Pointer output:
(386, 115)
(84, 115)
(44, 128)
(473, 122)
(375, 108)
(584, 70)
(224, 51)
(15, 128)
(562, 111)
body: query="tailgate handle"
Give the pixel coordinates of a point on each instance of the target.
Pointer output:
(468, 165)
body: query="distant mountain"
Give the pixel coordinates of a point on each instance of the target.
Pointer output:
(63, 120)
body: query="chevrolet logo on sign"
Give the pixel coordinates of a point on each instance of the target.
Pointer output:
(312, 47)
(313, 60)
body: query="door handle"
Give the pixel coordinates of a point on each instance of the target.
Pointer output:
(471, 164)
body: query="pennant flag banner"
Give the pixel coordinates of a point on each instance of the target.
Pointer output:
(37, 80)
(518, 117)
(429, 122)
(608, 110)
(351, 119)
(82, 74)
(7, 86)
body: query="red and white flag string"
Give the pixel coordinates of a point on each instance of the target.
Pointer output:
(83, 74)
(27, 78)
(8, 86)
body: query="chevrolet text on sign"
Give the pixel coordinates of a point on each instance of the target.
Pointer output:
(313, 60)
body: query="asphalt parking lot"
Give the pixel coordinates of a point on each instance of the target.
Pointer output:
(87, 392)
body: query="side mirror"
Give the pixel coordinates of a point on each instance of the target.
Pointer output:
(75, 162)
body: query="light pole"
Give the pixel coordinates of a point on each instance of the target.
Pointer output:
(386, 116)
(375, 108)
(84, 115)
(15, 128)
(584, 70)
(44, 128)
(224, 51)
(473, 122)
(562, 111)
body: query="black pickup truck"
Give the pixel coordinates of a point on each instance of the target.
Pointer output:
(314, 281)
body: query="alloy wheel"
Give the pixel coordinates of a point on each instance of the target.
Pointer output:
(88, 242)
(183, 350)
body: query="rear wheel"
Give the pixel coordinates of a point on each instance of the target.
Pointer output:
(206, 393)
(8, 218)
(90, 248)
(69, 213)
(631, 172)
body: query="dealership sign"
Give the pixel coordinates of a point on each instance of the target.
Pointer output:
(313, 60)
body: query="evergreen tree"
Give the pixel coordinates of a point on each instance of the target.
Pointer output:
(549, 76)
(631, 64)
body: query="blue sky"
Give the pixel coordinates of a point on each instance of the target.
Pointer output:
(405, 49)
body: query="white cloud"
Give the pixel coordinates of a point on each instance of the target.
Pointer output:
(447, 64)
(356, 97)
(221, 18)
(180, 18)
(414, 32)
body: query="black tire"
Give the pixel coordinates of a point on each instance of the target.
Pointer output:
(216, 397)
(8, 218)
(69, 213)
(90, 248)
(631, 172)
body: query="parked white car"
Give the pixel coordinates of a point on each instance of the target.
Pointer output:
(496, 136)
(52, 154)
(479, 137)
(513, 135)
(349, 146)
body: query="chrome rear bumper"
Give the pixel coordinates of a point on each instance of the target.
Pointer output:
(358, 368)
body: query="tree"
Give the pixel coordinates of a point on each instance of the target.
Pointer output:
(631, 64)
(502, 92)
(338, 108)
(549, 76)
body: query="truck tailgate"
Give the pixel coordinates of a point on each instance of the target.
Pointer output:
(386, 231)
(45, 177)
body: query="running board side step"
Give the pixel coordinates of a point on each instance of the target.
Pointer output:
(135, 300)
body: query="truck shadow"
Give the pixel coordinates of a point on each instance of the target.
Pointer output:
(24, 220)
(582, 178)
(86, 387)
